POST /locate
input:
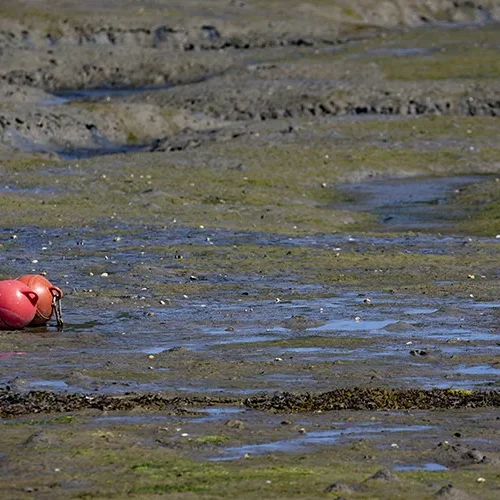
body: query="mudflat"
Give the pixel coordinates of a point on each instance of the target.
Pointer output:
(276, 226)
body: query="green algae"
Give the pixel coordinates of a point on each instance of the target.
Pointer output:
(288, 188)
(460, 63)
(63, 419)
(211, 439)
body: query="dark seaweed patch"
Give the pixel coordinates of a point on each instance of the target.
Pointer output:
(13, 403)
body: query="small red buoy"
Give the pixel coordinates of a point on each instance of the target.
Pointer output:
(17, 305)
(48, 296)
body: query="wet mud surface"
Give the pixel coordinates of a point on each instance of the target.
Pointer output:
(277, 231)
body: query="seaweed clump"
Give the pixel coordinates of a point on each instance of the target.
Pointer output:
(376, 399)
(14, 403)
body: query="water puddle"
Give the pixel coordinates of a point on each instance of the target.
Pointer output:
(311, 439)
(403, 51)
(420, 310)
(222, 328)
(216, 414)
(353, 325)
(483, 370)
(430, 466)
(109, 149)
(64, 96)
(439, 383)
(411, 203)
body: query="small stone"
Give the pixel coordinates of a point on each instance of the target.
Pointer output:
(338, 487)
(385, 475)
(104, 275)
(481, 480)
(278, 359)
(357, 319)
(367, 301)
(419, 352)
(235, 424)
(452, 493)
(151, 356)
(302, 430)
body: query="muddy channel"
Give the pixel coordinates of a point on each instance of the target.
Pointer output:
(276, 226)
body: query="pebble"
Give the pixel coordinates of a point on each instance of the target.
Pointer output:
(235, 424)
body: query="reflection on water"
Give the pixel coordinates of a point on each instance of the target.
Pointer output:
(429, 466)
(315, 438)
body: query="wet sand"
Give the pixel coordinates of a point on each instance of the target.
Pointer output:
(276, 228)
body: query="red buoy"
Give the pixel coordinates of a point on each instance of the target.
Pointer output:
(17, 305)
(48, 295)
